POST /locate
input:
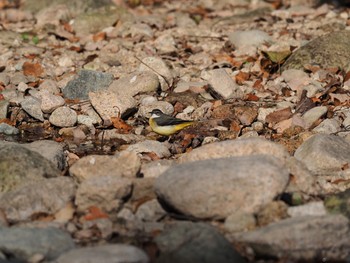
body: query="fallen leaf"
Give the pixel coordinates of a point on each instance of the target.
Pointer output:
(95, 213)
(120, 125)
(252, 97)
(279, 115)
(99, 36)
(32, 69)
(241, 77)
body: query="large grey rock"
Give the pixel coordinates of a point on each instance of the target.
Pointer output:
(126, 164)
(86, 82)
(51, 150)
(106, 192)
(306, 238)
(188, 242)
(19, 165)
(215, 188)
(116, 253)
(46, 196)
(233, 148)
(26, 243)
(135, 83)
(324, 154)
(328, 51)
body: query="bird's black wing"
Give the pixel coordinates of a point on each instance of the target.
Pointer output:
(168, 120)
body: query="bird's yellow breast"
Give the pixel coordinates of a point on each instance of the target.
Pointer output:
(168, 129)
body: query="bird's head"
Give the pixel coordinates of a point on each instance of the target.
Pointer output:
(156, 113)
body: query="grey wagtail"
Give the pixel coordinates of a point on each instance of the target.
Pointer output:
(164, 124)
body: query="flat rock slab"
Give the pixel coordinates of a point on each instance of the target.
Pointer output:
(234, 148)
(188, 242)
(324, 154)
(19, 165)
(117, 253)
(308, 238)
(126, 164)
(213, 189)
(46, 196)
(86, 82)
(329, 51)
(24, 243)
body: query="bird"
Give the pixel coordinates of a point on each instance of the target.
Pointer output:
(164, 124)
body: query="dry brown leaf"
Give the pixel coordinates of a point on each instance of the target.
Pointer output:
(252, 97)
(279, 115)
(120, 125)
(32, 69)
(241, 77)
(99, 36)
(95, 213)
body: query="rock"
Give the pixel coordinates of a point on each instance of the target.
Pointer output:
(272, 212)
(150, 211)
(234, 148)
(150, 103)
(116, 253)
(242, 184)
(155, 168)
(87, 81)
(165, 43)
(161, 150)
(338, 203)
(22, 87)
(135, 83)
(33, 107)
(63, 117)
(328, 51)
(4, 79)
(309, 209)
(313, 115)
(50, 102)
(158, 66)
(239, 222)
(4, 105)
(49, 243)
(50, 86)
(95, 21)
(222, 84)
(296, 79)
(18, 77)
(246, 114)
(46, 196)
(324, 154)
(91, 166)
(109, 104)
(328, 126)
(50, 150)
(306, 238)
(19, 165)
(188, 242)
(244, 39)
(106, 192)
(8, 129)
(302, 180)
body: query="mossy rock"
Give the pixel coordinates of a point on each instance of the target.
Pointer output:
(339, 203)
(328, 51)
